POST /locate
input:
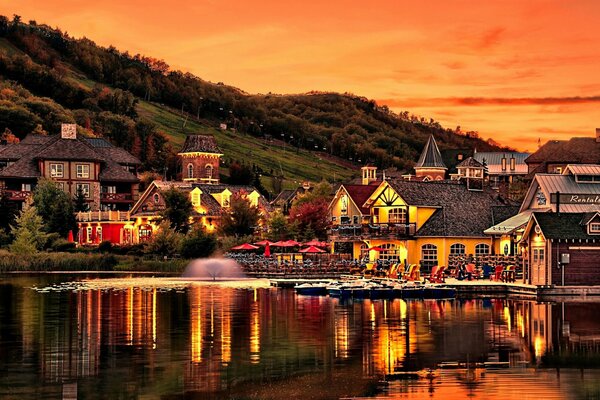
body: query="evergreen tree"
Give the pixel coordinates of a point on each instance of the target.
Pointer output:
(240, 219)
(55, 207)
(178, 209)
(278, 227)
(28, 231)
(80, 201)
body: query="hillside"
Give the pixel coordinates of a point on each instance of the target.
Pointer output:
(139, 103)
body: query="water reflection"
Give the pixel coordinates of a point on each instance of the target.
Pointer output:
(221, 340)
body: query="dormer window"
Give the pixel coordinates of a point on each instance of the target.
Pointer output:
(503, 163)
(195, 197)
(595, 227)
(513, 163)
(190, 171)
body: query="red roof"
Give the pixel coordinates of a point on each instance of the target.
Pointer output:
(360, 194)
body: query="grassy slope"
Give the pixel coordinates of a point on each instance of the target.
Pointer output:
(296, 166)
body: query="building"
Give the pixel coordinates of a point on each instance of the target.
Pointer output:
(502, 166)
(284, 200)
(563, 249)
(414, 221)
(107, 175)
(199, 159)
(430, 166)
(555, 155)
(472, 172)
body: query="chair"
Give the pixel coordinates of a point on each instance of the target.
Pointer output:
(498, 272)
(472, 273)
(487, 271)
(408, 271)
(437, 274)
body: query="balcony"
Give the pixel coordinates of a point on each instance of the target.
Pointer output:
(388, 231)
(97, 216)
(116, 197)
(16, 195)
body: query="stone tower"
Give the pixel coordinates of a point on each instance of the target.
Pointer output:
(199, 159)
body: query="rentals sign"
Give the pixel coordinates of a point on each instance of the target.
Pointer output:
(576, 198)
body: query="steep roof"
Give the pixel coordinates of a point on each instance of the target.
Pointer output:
(460, 212)
(470, 162)
(579, 150)
(360, 194)
(563, 225)
(200, 143)
(431, 157)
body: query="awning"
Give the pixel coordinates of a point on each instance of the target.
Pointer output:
(508, 226)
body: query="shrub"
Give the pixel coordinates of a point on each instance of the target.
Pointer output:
(62, 245)
(56, 262)
(198, 244)
(105, 247)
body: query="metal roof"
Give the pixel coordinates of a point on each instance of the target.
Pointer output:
(431, 156)
(493, 161)
(583, 169)
(506, 227)
(552, 183)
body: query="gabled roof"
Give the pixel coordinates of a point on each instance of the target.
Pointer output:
(360, 194)
(563, 226)
(566, 184)
(114, 172)
(200, 144)
(582, 169)
(431, 157)
(470, 162)
(493, 161)
(108, 151)
(578, 150)
(67, 149)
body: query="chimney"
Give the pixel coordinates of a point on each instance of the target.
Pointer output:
(597, 135)
(68, 131)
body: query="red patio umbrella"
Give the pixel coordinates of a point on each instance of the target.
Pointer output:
(312, 249)
(376, 248)
(70, 238)
(245, 246)
(264, 243)
(267, 250)
(282, 243)
(292, 243)
(316, 243)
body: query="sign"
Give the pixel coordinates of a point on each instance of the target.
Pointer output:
(576, 198)
(68, 131)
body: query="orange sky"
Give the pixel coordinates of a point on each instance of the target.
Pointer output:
(515, 71)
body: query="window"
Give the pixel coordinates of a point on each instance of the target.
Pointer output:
(145, 233)
(389, 251)
(109, 189)
(355, 219)
(482, 249)
(429, 253)
(558, 170)
(84, 188)
(503, 163)
(156, 198)
(26, 187)
(513, 163)
(190, 170)
(344, 205)
(195, 198)
(538, 256)
(595, 227)
(397, 216)
(56, 170)
(89, 234)
(83, 171)
(209, 171)
(457, 249)
(99, 234)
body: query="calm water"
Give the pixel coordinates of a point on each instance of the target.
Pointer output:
(156, 339)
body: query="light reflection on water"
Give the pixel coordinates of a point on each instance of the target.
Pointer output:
(151, 338)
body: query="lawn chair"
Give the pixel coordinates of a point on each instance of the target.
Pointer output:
(415, 274)
(508, 275)
(498, 273)
(487, 271)
(472, 273)
(437, 274)
(408, 271)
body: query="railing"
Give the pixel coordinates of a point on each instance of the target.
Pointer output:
(366, 231)
(89, 216)
(116, 197)
(16, 194)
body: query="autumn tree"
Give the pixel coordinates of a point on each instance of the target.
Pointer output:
(311, 216)
(178, 209)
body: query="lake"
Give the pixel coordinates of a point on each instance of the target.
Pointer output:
(67, 337)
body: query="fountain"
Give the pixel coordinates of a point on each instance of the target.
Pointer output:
(213, 269)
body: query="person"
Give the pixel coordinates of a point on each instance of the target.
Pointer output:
(462, 271)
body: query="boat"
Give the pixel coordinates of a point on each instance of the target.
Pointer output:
(312, 289)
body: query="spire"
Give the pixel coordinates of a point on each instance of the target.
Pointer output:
(431, 156)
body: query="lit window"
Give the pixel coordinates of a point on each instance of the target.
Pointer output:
(195, 198)
(482, 249)
(89, 234)
(389, 251)
(56, 170)
(503, 163)
(99, 234)
(344, 205)
(190, 170)
(26, 187)
(513, 163)
(429, 252)
(84, 188)
(209, 171)
(457, 249)
(83, 171)
(558, 170)
(397, 215)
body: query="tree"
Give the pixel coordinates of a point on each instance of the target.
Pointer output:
(240, 174)
(55, 207)
(198, 243)
(28, 231)
(178, 209)
(279, 228)
(311, 216)
(240, 219)
(322, 191)
(166, 242)
(81, 204)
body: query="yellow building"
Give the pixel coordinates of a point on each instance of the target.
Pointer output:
(414, 222)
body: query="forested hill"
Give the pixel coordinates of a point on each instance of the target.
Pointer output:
(139, 103)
